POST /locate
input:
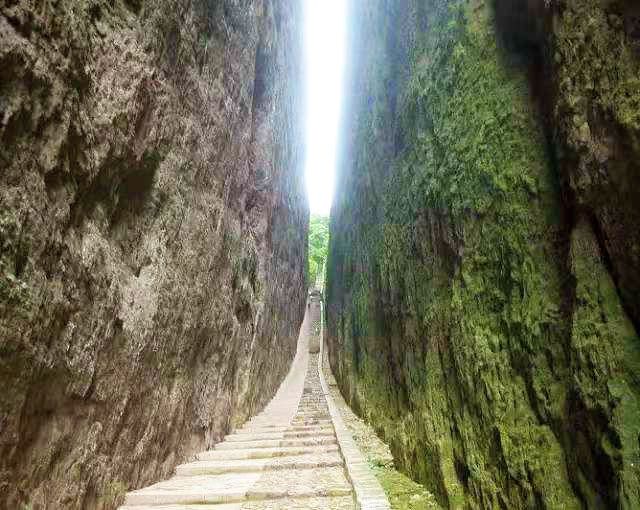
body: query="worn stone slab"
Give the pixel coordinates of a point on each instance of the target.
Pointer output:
(329, 481)
(274, 443)
(257, 453)
(319, 503)
(279, 435)
(195, 489)
(292, 428)
(314, 460)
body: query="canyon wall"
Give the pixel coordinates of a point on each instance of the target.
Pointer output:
(153, 230)
(483, 273)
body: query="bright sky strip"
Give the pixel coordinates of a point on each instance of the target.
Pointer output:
(325, 27)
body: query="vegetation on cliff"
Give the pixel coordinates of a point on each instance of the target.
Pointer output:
(462, 320)
(318, 245)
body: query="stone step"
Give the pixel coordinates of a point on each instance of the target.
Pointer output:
(310, 417)
(299, 421)
(278, 435)
(294, 428)
(240, 487)
(274, 443)
(329, 481)
(227, 488)
(262, 453)
(320, 503)
(216, 467)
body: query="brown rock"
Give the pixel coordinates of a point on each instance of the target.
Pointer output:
(152, 236)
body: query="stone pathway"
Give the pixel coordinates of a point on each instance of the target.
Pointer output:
(287, 457)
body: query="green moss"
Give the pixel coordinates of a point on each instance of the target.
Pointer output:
(484, 320)
(113, 494)
(403, 493)
(477, 153)
(14, 291)
(606, 363)
(597, 124)
(586, 40)
(452, 315)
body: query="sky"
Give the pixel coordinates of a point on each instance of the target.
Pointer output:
(324, 57)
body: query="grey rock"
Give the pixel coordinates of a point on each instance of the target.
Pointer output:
(152, 235)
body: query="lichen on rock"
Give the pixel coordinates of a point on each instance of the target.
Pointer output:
(461, 320)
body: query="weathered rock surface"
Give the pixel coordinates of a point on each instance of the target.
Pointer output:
(483, 267)
(152, 235)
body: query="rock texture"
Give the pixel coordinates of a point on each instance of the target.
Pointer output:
(152, 233)
(483, 266)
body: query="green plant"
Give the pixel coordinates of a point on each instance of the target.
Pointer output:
(318, 245)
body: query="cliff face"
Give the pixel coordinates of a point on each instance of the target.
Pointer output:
(483, 267)
(152, 233)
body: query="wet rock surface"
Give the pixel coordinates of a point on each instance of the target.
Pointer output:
(152, 236)
(480, 292)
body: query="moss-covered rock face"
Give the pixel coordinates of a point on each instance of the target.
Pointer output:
(596, 74)
(152, 235)
(474, 313)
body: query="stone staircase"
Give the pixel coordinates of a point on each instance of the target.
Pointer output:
(296, 454)
(287, 457)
